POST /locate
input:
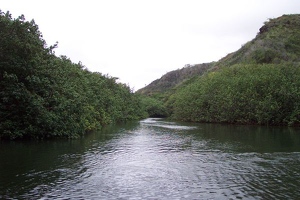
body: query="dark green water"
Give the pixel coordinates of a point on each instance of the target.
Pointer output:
(156, 159)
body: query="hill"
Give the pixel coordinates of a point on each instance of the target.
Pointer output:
(278, 40)
(175, 77)
(257, 84)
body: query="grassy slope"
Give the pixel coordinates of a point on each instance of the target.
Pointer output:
(277, 41)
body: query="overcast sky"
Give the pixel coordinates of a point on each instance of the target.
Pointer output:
(138, 41)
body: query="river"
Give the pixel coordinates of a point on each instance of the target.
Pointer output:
(156, 159)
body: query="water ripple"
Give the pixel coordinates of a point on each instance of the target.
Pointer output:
(166, 160)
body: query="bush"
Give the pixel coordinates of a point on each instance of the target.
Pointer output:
(259, 94)
(43, 96)
(154, 107)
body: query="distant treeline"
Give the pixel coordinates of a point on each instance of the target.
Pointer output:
(44, 96)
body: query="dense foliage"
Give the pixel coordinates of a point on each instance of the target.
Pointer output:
(42, 95)
(154, 107)
(251, 94)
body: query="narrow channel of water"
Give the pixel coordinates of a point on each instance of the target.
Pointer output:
(157, 159)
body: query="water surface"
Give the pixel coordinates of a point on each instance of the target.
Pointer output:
(156, 159)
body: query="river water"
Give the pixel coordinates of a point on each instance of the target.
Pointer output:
(156, 159)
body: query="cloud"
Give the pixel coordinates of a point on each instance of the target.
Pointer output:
(139, 41)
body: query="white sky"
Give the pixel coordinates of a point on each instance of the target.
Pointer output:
(138, 41)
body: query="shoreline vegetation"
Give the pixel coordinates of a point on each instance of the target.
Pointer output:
(264, 94)
(44, 96)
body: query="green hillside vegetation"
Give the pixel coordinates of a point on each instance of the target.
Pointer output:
(158, 92)
(258, 84)
(173, 78)
(45, 96)
(154, 107)
(249, 94)
(277, 41)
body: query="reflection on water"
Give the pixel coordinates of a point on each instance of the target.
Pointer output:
(164, 124)
(157, 159)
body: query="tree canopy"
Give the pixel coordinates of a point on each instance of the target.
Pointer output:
(45, 96)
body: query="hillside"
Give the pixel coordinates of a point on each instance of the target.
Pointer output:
(257, 84)
(278, 40)
(175, 77)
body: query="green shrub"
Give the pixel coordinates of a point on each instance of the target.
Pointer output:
(43, 96)
(260, 94)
